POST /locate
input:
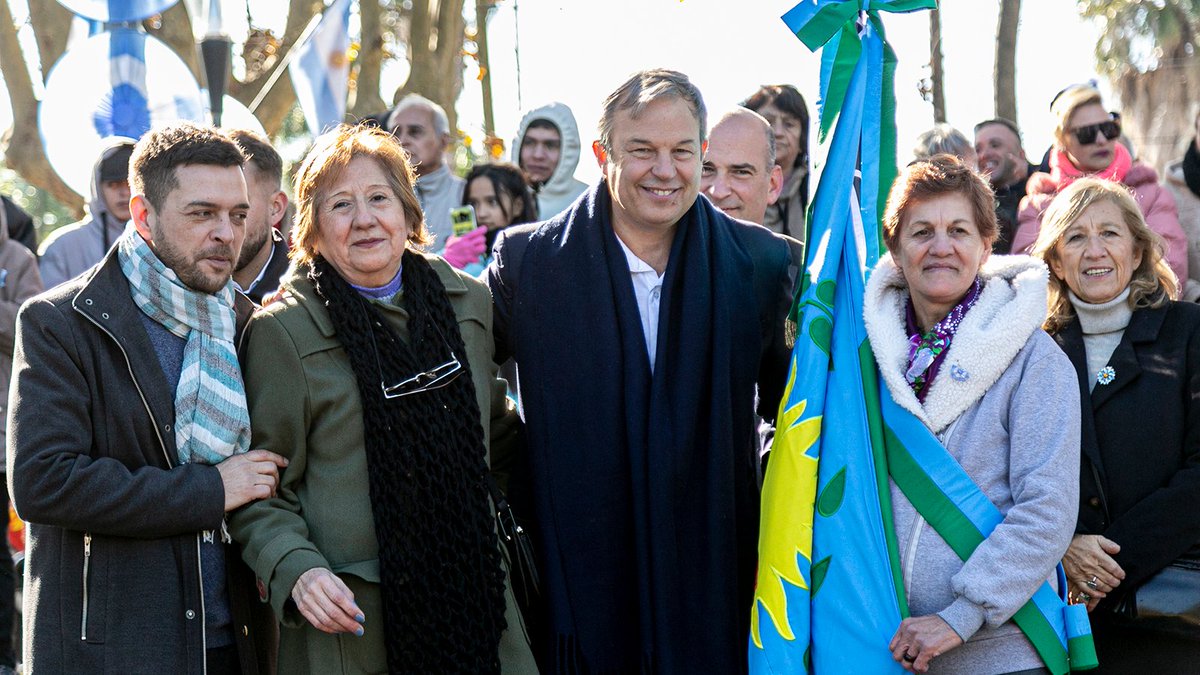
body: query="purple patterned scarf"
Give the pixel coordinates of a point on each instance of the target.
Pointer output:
(926, 352)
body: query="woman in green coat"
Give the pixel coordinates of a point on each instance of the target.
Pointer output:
(372, 373)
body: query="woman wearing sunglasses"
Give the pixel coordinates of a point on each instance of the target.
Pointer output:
(1086, 144)
(372, 373)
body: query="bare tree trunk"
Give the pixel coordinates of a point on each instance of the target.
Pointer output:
(936, 75)
(1006, 59)
(485, 70)
(22, 145)
(436, 70)
(370, 60)
(51, 27)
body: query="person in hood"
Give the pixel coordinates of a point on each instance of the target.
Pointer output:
(1086, 144)
(547, 149)
(71, 250)
(1183, 180)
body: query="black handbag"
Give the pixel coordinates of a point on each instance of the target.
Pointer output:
(517, 551)
(1167, 603)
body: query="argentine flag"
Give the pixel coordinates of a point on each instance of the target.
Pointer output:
(321, 70)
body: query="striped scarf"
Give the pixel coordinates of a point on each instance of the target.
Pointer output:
(211, 420)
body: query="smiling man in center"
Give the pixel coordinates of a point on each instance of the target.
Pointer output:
(641, 319)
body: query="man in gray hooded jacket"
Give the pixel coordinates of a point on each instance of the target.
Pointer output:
(71, 250)
(547, 149)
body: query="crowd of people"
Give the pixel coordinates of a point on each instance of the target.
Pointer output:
(243, 444)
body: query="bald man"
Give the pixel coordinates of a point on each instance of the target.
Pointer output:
(739, 173)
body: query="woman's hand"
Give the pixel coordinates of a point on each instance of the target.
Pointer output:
(463, 250)
(1091, 571)
(327, 603)
(920, 639)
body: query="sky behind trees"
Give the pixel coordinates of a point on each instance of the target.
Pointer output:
(576, 51)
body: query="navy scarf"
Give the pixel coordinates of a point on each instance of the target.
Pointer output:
(645, 489)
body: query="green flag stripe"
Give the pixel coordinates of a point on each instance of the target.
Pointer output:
(827, 21)
(866, 363)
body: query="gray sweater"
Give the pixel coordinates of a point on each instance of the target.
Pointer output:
(1011, 419)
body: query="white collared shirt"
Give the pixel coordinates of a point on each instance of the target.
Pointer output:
(647, 290)
(262, 272)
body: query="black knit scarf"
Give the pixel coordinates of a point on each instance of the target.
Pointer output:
(1191, 169)
(442, 583)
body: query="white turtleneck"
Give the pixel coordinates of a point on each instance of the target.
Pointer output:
(1103, 325)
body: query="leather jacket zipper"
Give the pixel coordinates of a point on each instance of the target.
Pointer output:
(87, 560)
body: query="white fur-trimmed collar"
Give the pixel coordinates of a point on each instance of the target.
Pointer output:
(1011, 306)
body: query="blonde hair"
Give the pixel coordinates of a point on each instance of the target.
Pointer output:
(1071, 99)
(1152, 285)
(330, 155)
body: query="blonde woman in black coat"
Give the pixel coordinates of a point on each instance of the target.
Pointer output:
(1137, 353)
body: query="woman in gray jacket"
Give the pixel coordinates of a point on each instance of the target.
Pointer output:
(958, 339)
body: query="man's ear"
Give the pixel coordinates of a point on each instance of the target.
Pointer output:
(776, 184)
(139, 213)
(278, 206)
(600, 153)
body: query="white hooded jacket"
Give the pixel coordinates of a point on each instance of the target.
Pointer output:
(562, 189)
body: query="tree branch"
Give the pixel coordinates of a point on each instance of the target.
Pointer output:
(22, 144)
(51, 27)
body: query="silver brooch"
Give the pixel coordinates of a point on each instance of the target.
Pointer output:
(1106, 375)
(960, 375)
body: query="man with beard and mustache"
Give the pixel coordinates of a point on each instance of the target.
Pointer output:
(264, 252)
(1002, 160)
(126, 483)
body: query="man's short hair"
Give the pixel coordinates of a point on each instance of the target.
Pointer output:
(441, 123)
(1006, 123)
(645, 87)
(155, 157)
(259, 152)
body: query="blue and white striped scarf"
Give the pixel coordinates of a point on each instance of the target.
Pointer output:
(211, 420)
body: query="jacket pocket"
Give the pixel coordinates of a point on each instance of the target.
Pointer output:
(92, 606)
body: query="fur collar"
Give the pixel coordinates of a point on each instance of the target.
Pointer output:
(1010, 308)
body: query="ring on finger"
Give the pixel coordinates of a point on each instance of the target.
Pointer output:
(1092, 583)
(909, 658)
(1085, 597)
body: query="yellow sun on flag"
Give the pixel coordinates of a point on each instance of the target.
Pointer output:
(789, 496)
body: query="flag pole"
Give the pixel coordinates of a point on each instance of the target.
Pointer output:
(285, 62)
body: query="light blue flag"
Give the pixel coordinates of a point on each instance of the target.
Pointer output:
(321, 70)
(830, 592)
(828, 598)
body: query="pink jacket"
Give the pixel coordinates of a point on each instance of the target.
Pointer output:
(1158, 206)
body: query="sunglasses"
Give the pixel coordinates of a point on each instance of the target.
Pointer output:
(1087, 134)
